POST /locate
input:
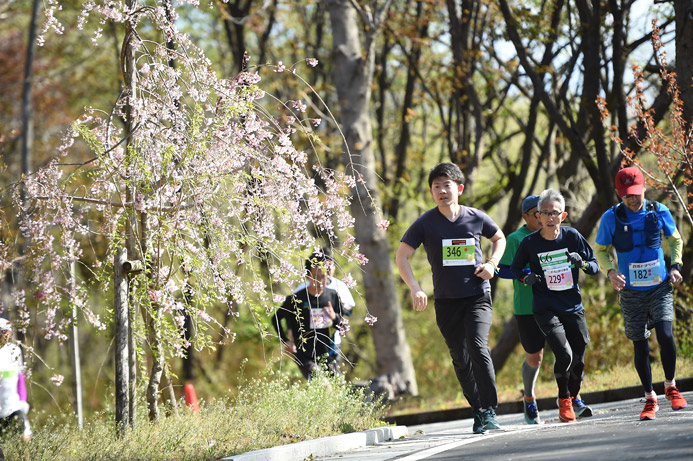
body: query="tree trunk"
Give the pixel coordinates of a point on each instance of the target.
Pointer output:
(508, 340)
(189, 358)
(130, 78)
(27, 109)
(590, 14)
(353, 75)
(683, 10)
(404, 142)
(27, 146)
(468, 131)
(157, 370)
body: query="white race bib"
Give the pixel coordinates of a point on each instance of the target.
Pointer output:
(557, 271)
(459, 252)
(559, 279)
(319, 319)
(644, 274)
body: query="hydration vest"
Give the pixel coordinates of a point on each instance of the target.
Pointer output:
(623, 233)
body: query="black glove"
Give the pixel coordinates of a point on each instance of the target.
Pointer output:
(576, 259)
(532, 278)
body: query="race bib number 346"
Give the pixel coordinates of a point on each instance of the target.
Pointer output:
(459, 252)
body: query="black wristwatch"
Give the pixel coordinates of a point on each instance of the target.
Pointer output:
(675, 266)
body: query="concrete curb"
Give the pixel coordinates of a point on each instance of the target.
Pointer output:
(610, 395)
(324, 446)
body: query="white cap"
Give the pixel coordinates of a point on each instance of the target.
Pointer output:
(5, 324)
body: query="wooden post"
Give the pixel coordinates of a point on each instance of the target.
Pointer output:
(121, 350)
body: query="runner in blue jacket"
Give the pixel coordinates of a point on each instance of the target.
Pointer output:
(634, 228)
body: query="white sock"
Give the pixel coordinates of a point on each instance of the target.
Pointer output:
(652, 395)
(668, 384)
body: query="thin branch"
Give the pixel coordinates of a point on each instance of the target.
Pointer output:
(160, 208)
(244, 19)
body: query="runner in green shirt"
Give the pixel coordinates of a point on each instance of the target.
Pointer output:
(531, 336)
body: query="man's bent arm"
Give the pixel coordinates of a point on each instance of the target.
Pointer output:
(676, 246)
(404, 253)
(602, 252)
(498, 247)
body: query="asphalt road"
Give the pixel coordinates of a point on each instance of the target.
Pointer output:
(614, 432)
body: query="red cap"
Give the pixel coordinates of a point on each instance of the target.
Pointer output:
(629, 181)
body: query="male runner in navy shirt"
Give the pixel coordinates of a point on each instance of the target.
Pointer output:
(451, 234)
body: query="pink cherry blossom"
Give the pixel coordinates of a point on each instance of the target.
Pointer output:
(349, 281)
(343, 326)
(211, 184)
(370, 319)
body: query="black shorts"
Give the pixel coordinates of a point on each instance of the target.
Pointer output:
(531, 336)
(574, 326)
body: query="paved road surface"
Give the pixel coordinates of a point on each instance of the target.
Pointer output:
(615, 432)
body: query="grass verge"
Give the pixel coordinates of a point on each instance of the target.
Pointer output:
(267, 412)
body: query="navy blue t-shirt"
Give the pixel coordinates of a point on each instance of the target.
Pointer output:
(453, 250)
(558, 291)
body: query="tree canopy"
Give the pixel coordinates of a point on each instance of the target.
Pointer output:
(239, 136)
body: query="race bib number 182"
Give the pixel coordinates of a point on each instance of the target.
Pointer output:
(644, 274)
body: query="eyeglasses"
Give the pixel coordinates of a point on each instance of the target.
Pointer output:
(631, 196)
(553, 214)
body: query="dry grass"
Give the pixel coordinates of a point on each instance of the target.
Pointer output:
(267, 412)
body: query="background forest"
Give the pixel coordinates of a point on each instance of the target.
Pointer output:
(507, 90)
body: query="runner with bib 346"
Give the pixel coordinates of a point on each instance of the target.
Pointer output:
(451, 235)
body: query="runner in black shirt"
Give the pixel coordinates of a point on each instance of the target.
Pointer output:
(451, 234)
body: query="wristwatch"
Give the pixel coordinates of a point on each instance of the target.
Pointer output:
(675, 266)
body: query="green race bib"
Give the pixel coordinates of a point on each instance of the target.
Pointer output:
(459, 252)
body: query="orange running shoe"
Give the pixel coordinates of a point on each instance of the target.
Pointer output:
(677, 400)
(566, 414)
(650, 410)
